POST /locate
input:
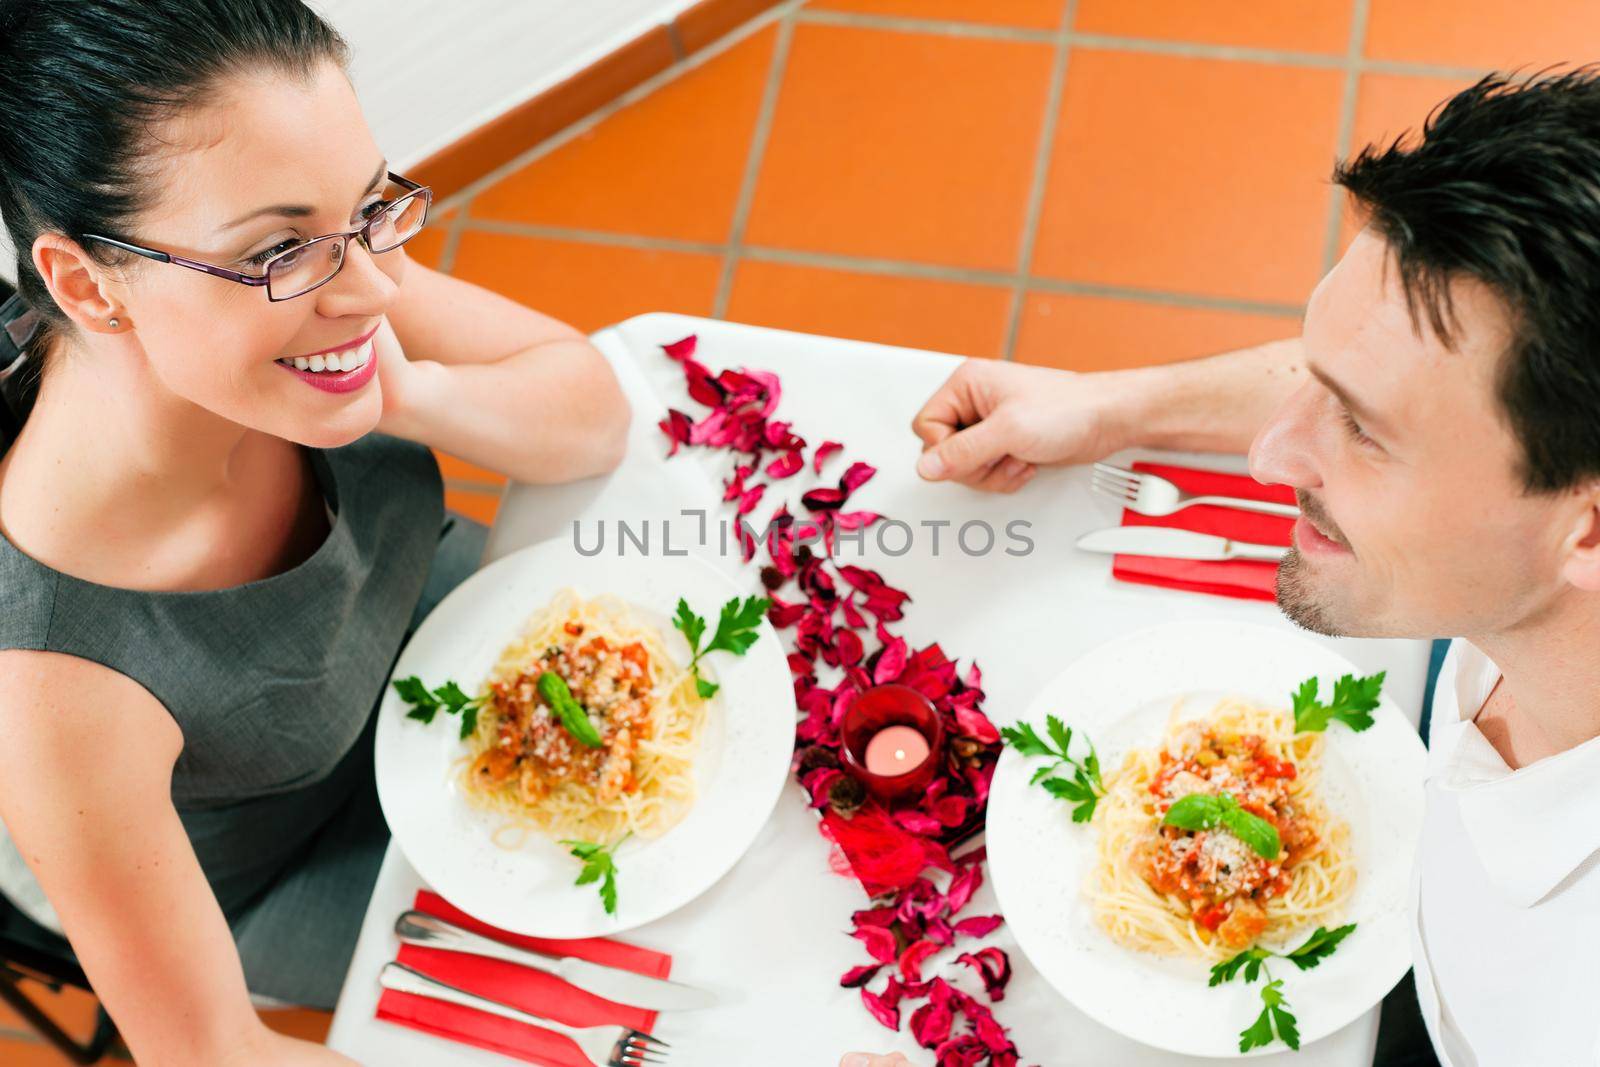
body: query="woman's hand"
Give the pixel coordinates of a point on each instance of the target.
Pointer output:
(867, 1059)
(992, 424)
(399, 380)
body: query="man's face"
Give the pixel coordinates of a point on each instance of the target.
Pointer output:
(1414, 520)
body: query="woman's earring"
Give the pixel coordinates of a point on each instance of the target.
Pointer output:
(113, 323)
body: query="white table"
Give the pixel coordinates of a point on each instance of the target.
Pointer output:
(771, 937)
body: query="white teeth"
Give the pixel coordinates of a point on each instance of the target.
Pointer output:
(333, 362)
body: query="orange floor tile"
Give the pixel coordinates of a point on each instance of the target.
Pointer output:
(909, 146)
(1091, 332)
(879, 169)
(474, 504)
(1222, 192)
(668, 166)
(914, 312)
(1321, 26)
(588, 284)
(1483, 33)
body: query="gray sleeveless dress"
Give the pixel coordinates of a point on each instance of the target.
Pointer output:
(274, 685)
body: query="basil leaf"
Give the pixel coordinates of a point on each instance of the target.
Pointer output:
(1197, 811)
(1253, 830)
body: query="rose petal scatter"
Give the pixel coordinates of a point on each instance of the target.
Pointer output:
(838, 620)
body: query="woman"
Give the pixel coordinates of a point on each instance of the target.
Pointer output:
(221, 515)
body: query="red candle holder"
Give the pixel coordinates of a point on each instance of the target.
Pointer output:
(877, 709)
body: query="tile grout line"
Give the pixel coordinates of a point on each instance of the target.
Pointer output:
(1048, 128)
(1079, 39)
(1347, 124)
(693, 61)
(452, 239)
(753, 160)
(893, 267)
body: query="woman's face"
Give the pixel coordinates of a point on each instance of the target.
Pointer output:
(272, 160)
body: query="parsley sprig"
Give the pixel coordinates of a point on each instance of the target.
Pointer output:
(599, 865)
(1276, 1019)
(1352, 703)
(738, 628)
(449, 697)
(1202, 811)
(1084, 788)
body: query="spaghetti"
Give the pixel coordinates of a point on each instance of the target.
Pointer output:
(1162, 889)
(525, 765)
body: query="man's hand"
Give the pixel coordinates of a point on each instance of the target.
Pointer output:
(992, 424)
(866, 1059)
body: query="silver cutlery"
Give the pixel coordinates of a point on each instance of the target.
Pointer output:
(1150, 494)
(605, 1046)
(1175, 544)
(623, 987)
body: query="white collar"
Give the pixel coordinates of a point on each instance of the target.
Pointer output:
(1531, 827)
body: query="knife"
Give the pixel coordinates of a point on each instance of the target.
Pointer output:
(623, 987)
(1175, 544)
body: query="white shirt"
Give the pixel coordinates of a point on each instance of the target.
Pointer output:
(1505, 934)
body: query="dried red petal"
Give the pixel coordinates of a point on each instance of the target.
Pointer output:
(824, 450)
(879, 940)
(993, 965)
(913, 956)
(963, 885)
(891, 661)
(847, 647)
(748, 502)
(979, 926)
(856, 476)
(682, 349)
(930, 1024)
(822, 499)
(677, 427)
(785, 465)
(855, 520)
(976, 724)
(918, 822)
(882, 1012)
(860, 976)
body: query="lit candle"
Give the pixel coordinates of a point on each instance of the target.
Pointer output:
(896, 750)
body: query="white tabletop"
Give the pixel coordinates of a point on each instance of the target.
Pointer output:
(772, 936)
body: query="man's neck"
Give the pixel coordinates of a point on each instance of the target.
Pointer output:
(1549, 698)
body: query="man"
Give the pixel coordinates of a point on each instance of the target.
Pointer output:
(1439, 421)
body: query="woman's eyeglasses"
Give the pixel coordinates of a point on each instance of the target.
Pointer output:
(308, 264)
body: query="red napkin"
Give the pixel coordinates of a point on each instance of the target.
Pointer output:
(1251, 579)
(519, 986)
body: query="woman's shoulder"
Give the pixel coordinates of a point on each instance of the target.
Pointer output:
(67, 712)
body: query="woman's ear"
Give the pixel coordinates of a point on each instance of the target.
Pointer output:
(1582, 566)
(78, 284)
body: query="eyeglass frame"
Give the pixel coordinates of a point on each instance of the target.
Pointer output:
(412, 189)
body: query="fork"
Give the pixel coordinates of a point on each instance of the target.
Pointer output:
(1150, 494)
(610, 1046)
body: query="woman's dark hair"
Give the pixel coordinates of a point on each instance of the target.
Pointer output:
(82, 83)
(1504, 186)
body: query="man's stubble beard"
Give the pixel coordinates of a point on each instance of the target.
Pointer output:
(1298, 599)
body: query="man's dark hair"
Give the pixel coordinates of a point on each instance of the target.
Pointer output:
(1504, 186)
(84, 82)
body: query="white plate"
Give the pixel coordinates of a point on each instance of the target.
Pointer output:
(740, 771)
(1120, 695)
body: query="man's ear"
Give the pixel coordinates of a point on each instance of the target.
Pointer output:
(78, 284)
(1582, 567)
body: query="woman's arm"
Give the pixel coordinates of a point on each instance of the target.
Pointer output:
(496, 383)
(86, 758)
